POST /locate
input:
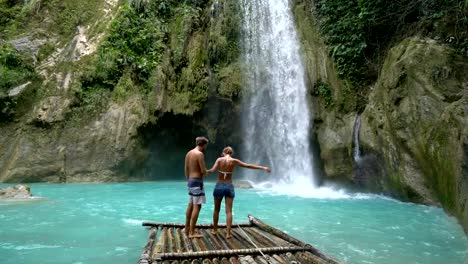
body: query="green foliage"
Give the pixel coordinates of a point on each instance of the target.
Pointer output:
(223, 45)
(45, 51)
(230, 81)
(135, 41)
(165, 44)
(15, 68)
(123, 88)
(89, 102)
(343, 31)
(324, 91)
(9, 10)
(69, 14)
(18, 17)
(135, 44)
(359, 32)
(184, 22)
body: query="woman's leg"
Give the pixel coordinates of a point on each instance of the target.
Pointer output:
(229, 202)
(217, 208)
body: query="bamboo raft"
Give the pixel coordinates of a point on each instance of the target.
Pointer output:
(252, 242)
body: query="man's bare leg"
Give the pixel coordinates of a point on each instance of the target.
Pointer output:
(188, 215)
(217, 208)
(195, 213)
(229, 202)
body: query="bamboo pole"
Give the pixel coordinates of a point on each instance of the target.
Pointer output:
(274, 240)
(187, 242)
(171, 247)
(307, 257)
(214, 245)
(290, 258)
(289, 238)
(230, 252)
(201, 243)
(178, 240)
(243, 241)
(258, 240)
(145, 257)
(261, 260)
(246, 259)
(160, 245)
(279, 259)
(207, 261)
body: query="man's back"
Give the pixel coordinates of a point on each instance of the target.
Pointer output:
(195, 164)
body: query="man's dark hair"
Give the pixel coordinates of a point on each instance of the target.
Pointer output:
(201, 141)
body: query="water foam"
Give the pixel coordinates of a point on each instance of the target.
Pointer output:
(133, 222)
(305, 189)
(27, 247)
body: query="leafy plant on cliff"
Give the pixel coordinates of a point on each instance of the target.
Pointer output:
(134, 45)
(24, 17)
(324, 91)
(15, 68)
(360, 32)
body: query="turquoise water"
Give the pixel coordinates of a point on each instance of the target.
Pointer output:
(101, 223)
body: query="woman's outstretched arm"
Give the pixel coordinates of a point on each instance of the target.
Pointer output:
(214, 168)
(251, 166)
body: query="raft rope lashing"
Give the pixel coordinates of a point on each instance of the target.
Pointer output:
(248, 237)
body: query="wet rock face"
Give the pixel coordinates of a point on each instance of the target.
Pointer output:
(16, 192)
(28, 44)
(71, 153)
(416, 119)
(51, 110)
(334, 135)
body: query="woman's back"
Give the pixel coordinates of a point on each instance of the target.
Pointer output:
(226, 168)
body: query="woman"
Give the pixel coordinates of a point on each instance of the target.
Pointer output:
(224, 188)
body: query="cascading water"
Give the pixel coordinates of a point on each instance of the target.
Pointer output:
(276, 119)
(356, 150)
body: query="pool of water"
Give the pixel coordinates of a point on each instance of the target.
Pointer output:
(101, 223)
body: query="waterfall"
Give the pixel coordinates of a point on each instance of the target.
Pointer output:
(356, 150)
(276, 115)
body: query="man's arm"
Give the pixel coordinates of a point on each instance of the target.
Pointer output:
(186, 166)
(201, 164)
(251, 166)
(214, 168)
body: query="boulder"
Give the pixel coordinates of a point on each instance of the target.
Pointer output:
(243, 185)
(16, 192)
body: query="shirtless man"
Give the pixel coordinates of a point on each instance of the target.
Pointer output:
(195, 169)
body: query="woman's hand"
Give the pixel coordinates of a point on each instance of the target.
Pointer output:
(267, 169)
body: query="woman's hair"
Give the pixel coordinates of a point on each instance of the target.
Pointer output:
(227, 151)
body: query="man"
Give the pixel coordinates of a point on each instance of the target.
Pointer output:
(195, 169)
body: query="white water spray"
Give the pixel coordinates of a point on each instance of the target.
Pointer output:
(276, 119)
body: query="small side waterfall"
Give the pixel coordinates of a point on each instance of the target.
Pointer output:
(356, 149)
(276, 114)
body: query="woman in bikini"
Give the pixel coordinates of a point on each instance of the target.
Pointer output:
(224, 187)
